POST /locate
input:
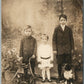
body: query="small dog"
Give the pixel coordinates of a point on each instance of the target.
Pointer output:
(68, 74)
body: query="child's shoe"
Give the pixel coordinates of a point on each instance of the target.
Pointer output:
(43, 81)
(49, 80)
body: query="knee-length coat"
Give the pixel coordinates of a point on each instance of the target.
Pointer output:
(63, 41)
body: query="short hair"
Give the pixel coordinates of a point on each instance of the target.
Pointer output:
(46, 36)
(63, 15)
(28, 27)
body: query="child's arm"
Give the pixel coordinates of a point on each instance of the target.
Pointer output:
(38, 58)
(51, 54)
(35, 50)
(39, 54)
(72, 40)
(21, 49)
(20, 57)
(54, 41)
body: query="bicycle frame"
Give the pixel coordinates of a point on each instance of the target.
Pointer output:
(29, 66)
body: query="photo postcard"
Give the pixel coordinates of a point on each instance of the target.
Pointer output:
(41, 41)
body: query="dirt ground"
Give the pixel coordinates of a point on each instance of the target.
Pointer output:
(54, 80)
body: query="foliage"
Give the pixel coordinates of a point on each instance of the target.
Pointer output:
(78, 4)
(9, 60)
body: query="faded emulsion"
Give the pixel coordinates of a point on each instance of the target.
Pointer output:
(42, 16)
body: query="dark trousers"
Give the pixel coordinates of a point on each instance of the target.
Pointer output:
(26, 72)
(62, 59)
(60, 70)
(26, 69)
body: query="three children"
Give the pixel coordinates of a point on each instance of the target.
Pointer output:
(62, 41)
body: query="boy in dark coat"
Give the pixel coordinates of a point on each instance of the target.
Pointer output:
(63, 43)
(28, 49)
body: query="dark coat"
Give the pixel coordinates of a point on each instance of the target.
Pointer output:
(63, 43)
(63, 40)
(28, 48)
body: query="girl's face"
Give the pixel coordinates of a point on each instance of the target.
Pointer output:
(63, 21)
(44, 39)
(28, 32)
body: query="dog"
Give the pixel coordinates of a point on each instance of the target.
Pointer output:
(68, 74)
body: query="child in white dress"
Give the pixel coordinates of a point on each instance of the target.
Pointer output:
(45, 57)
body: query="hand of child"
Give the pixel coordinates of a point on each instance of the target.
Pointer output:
(33, 56)
(20, 58)
(55, 52)
(72, 51)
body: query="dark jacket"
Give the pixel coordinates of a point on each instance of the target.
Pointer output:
(28, 48)
(63, 41)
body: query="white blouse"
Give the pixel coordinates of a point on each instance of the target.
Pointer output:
(44, 51)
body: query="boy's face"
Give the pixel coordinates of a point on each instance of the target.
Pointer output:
(28, 32)
(63, 21)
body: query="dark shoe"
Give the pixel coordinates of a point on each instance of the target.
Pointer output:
(62, 81)
(49, 80)
(24, 82)
(43, 81)
(59, 80)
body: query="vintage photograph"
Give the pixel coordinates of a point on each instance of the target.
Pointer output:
(42, 42)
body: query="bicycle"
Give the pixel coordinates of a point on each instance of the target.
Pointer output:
(18, 78)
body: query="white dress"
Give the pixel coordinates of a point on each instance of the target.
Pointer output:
(44, 56)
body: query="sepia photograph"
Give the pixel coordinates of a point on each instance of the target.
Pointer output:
(41, 41)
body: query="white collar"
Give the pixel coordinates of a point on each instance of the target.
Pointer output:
(63, 27)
